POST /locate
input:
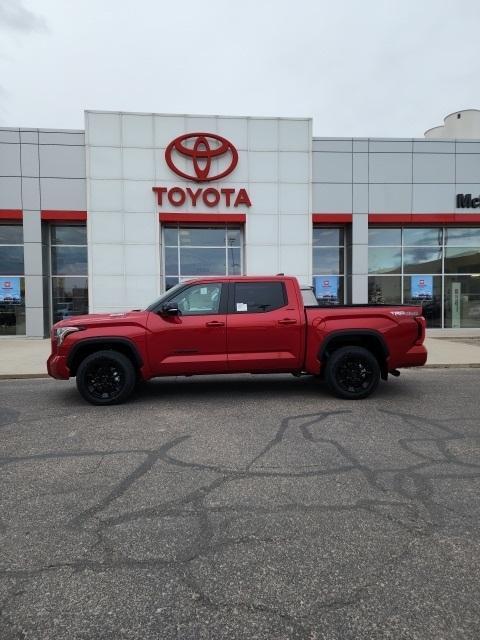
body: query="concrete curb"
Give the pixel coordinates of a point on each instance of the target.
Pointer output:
(471, 365)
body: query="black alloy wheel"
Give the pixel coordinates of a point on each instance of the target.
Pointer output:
(352, 373)
(106, 377)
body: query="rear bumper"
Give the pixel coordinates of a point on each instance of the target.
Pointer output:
(414, 357)
(57, 367)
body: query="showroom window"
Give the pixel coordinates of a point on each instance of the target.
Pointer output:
(12, 281)
(196, 251)
(436, 267)
(329, 264)
(68, 269)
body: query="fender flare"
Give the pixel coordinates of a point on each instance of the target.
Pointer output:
(110, 340)
(349, 334)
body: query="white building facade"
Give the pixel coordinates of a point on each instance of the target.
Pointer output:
(106, 219)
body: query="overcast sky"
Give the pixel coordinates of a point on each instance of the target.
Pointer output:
(371, 68)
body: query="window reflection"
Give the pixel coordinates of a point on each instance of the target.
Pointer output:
(192, 251)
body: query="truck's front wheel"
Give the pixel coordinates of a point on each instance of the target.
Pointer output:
(105, 377)
(352, 373)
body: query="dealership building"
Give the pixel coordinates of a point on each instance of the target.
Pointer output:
(107, 218)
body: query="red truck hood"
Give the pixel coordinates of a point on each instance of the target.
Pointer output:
(103, 319)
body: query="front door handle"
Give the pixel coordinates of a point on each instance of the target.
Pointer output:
(214, 323)
(287, 321)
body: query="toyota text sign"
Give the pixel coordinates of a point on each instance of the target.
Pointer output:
(201, 157)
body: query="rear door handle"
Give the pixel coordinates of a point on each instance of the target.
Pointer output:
(214, 323)
(287, 321)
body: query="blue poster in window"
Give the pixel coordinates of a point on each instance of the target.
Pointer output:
(422, 287)
(10, 290)
(326, 288)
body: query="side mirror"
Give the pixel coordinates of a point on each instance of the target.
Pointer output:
(170, 309)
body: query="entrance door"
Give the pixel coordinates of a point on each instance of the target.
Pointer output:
(194, 341)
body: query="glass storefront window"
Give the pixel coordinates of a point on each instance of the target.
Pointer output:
(69, 261)
(194, 251)
(427, 291)
(462, 301)
(462, 237)
(422, 260)
(384, 260)
(68, 270)
(12, 282)
(328, 237)
(69, 235)
(379, 237)
(384, 290)
(11, 260)
(69, 297)
(462, 260)
(422, 236)
(328, 261)
(440, 269)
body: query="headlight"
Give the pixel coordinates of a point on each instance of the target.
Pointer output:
(62, 332)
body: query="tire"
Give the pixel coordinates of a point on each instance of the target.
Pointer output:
(105, 378)
(352, 373)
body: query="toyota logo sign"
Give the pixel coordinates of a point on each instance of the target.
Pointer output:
(201, 149)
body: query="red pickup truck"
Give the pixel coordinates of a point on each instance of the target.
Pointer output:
(237, 325)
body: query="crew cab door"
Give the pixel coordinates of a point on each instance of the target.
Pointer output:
(264, 327)
(194, 341)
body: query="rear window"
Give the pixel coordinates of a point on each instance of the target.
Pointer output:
(259, 297)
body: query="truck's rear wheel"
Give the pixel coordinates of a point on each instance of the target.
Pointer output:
(106, 377)
(352, 373)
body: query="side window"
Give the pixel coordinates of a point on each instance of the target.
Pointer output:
(259, 297)
(199, 299)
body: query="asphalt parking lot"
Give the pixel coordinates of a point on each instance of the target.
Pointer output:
(246, 507)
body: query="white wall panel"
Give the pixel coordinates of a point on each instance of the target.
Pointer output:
(137, 130)
(141, 259)
(262, 229)
(294, 167)
(138, 164)
(102, 129)
(200, 124)
(141, 292)
(105, 163)
(261, 260)
(295, 230)
(262, 165)
(235, 130)
(262, 135)
(107, 259)
(332, 198)
(106, 228)
(294, 261)
(138, 196)
(167, 128)
(105, 195)
(63, 193)
(140, 227)
(294, 198)
(294, 135)
(264, 197)
(107, 292)
(10, 193)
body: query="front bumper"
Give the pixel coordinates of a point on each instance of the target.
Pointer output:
(57, 367)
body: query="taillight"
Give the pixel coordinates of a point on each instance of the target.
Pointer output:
(421, 324)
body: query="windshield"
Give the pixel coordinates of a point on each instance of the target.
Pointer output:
(164, 296)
